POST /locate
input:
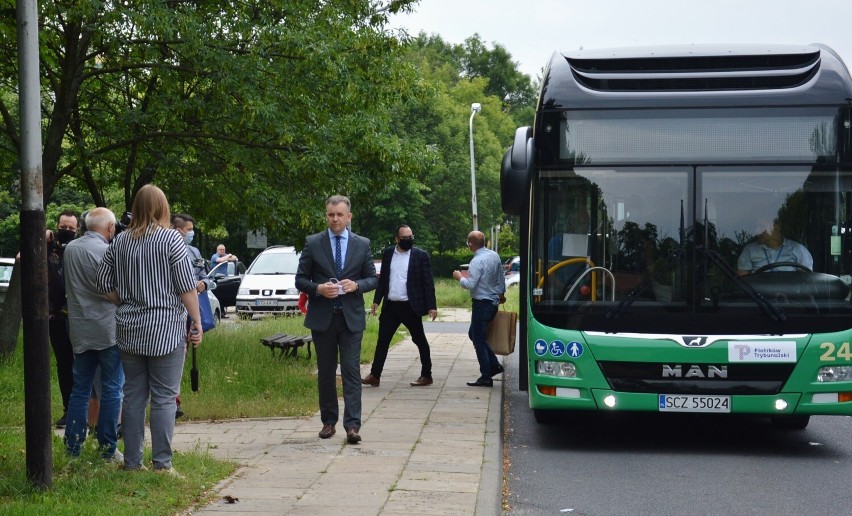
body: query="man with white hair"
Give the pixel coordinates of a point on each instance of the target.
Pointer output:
(91, 321)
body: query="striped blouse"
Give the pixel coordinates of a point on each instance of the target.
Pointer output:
(149, 274)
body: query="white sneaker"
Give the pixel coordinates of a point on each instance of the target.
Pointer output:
(117, 457)
(172, 472)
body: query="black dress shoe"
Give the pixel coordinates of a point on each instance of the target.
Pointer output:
(352, 436)
(326, 432)
(482, 382)
(497, 370)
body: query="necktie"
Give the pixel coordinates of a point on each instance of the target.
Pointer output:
(338, 264)
(338, 255)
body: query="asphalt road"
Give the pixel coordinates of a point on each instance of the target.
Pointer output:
(648, 464)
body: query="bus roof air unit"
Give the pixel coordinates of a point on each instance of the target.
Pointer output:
(699, 71)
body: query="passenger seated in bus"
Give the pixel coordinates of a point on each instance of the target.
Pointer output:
(769, 247)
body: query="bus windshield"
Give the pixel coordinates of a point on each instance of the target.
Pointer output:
(715, 245)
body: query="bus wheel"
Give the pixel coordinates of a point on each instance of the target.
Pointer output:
(791, 422)
(547, 417)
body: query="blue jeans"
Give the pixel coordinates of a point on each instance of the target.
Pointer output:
(112, 380)
(483, 312)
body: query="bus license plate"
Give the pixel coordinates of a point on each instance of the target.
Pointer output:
(694, 403)
(265, 302)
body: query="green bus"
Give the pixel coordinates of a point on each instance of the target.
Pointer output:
(686, 233)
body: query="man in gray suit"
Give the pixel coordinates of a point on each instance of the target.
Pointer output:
(335, 270)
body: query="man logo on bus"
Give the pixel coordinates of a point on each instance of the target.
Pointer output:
(694, 342)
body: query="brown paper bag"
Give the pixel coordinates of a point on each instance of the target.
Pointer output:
(501, 332)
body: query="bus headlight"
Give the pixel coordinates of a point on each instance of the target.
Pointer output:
(559, 369)
(834, 374)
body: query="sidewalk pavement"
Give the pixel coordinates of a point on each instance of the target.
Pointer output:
(433, 450)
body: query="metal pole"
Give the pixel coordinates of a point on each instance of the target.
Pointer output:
(39, 450)
(497, 238)
(474, 109)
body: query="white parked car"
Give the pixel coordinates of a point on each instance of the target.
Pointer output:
(269, 284)
(513, 271)
(6, 266)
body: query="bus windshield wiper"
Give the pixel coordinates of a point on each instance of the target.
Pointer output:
(772, 311)
(620, 308)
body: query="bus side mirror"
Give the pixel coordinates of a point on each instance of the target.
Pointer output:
(516, 171)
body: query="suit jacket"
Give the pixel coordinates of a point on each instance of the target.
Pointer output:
(420, 285)
(316, 266)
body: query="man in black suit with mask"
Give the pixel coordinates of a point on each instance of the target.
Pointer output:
(408, 288)
(60, 340)
(335, 270)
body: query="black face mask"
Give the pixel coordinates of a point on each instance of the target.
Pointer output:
(406, 243)
(63, 236)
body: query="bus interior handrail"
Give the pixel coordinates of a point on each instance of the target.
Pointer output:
(603, 283)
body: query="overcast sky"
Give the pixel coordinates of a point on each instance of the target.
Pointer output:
(531, 30)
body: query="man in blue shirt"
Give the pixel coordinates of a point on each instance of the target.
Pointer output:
(770, 247)
(487, 284)
(221, 256)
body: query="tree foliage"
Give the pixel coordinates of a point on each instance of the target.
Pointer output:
(437, 203)
(240, 111)
(248, 114)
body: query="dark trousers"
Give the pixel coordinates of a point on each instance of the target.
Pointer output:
(328, 344)
(483, 312)
(393, 314)
(60, 341)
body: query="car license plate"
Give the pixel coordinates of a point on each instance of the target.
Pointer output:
(265, 302)
(694, 403)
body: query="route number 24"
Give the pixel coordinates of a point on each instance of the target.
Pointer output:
(833, 352)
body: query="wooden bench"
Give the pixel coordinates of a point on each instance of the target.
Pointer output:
(288, 345)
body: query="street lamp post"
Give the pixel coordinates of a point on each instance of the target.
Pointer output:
(475, 108)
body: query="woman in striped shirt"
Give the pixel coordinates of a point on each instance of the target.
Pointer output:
(146, 272)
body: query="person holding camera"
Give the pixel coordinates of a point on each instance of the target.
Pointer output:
(60, 340)
(145, 271)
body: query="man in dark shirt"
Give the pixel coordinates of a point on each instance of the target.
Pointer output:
(60, 341)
